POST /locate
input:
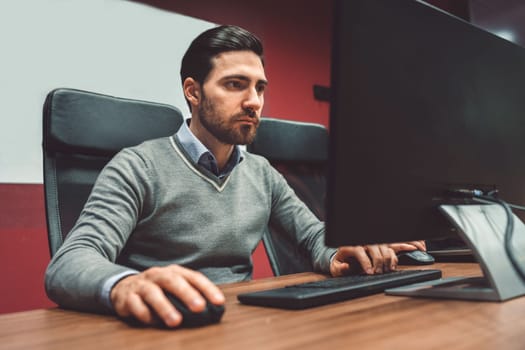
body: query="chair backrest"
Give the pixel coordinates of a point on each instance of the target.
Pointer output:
(82, 131)
(300, 152)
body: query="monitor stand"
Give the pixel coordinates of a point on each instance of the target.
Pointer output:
(482, 227)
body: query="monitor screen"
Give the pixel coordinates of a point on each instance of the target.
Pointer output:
(422, 102)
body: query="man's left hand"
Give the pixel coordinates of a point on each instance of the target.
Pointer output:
(375, 258)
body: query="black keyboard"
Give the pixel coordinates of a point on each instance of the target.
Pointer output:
(335, 289)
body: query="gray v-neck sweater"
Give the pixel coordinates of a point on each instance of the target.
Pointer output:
(152, 206)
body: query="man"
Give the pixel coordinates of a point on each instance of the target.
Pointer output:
(183, 213)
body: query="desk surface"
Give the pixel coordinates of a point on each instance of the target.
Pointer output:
(373, 322)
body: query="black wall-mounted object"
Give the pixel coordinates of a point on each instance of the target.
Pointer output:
(322, 93)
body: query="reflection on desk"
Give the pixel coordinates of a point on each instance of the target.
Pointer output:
(373, 322)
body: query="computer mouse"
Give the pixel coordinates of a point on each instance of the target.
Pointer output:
(211, 314)
(415, 257)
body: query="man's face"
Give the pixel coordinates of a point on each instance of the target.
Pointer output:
(233, 97)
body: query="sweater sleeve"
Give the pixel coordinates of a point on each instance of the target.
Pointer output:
(299, 223)
(76, 274)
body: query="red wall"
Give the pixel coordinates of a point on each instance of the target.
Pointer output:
(296, 34)
(24, 253)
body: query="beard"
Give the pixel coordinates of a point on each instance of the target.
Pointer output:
(226, 131)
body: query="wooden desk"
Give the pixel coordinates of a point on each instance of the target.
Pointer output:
(374, 322)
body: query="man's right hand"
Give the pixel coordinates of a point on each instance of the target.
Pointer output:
(142, 296)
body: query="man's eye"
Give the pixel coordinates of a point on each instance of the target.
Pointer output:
(233, 84)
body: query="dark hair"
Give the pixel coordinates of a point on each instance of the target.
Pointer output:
(197, 61)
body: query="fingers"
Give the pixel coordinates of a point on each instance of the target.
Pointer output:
(159, 307)
(375, 258)
(192, 287)
(142, 296)
(421, 245)
(339, 264)
(362, 257)
(371, 258)
(413, 245)
(137, 308)
(383, 258)
(139, 298)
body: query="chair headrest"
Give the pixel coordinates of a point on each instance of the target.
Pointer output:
(84, 122)
(285, 140)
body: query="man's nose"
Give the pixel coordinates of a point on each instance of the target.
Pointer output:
(254, 100)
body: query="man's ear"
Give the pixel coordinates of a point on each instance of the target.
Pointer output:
(192, 91)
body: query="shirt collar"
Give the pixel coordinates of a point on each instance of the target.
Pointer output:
(191, 144)
(201, 155)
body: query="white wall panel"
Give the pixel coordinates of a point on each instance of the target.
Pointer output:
(113, 47)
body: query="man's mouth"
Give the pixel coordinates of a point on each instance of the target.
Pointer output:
(248, 118)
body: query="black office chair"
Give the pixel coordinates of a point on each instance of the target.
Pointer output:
(299, 151)
(82, 131)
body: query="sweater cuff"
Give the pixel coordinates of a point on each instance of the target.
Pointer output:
(108, 285)
(327, 261)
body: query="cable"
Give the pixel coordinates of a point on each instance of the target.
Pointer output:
(515, 206)
(509, 229)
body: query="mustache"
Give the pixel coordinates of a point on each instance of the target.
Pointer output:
(250, 113)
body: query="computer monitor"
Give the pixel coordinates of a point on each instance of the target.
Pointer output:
(422, 103)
